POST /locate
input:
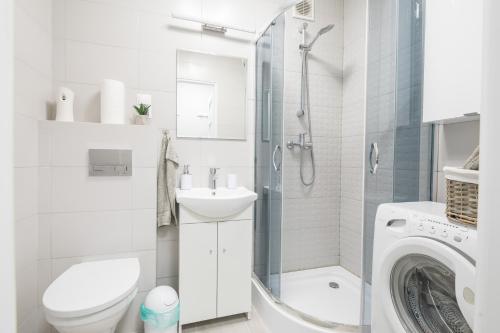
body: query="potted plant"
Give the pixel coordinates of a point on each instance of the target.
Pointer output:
(142, 114)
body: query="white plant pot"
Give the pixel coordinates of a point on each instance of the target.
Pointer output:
(141, 119)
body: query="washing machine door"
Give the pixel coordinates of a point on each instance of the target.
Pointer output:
(429, 287)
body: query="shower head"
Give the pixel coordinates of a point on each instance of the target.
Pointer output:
(324, 30)
(321, 31)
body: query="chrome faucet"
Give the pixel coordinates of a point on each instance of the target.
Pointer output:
(212, 179)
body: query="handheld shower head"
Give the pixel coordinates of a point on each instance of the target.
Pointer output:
(321, 31)
(324, 30)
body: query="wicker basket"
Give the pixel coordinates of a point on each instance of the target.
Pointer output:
(462, 194)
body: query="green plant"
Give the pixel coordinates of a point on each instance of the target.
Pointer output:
(142, 109)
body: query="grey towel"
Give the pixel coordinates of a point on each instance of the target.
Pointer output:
(166, 179)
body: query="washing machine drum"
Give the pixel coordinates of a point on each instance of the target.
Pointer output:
(423, 294)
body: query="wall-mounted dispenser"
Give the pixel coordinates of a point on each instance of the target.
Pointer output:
(64, 104)
(110, 162)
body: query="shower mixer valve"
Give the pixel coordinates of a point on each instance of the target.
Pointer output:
(302, 143)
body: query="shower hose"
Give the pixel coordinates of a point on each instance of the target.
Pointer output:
(306, 107)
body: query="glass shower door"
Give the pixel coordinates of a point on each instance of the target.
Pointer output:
(398, 146)
(268, 156)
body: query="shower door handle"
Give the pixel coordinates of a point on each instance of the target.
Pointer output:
(277, 166)
(374, 165)
(269, 117)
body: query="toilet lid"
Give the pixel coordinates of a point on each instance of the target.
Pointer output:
(90, 287)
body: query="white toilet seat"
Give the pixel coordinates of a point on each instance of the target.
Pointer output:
(92, 296)
(110, 313)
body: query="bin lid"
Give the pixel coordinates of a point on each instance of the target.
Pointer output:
(161, 299)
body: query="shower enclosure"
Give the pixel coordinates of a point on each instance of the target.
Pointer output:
(360, 119)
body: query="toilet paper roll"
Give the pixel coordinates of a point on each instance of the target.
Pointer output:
(113, 102)
(64, 104)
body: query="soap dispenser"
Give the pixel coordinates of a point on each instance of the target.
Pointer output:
(186, 179)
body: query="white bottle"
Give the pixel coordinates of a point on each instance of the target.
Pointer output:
(186, 179)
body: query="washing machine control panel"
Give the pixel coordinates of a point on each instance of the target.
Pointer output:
(455, 234)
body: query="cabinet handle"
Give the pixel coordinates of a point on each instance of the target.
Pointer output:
(211, 252)
(223, 250)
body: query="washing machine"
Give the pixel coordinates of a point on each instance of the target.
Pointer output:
(423, 271)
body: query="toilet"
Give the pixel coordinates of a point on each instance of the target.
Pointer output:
(92, 297)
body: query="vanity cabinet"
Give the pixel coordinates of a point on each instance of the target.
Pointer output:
(453, 59)
(214, 267)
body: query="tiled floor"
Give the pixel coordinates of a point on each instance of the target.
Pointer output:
(233, 324)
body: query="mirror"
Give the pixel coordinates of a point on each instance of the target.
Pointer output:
(211, 96)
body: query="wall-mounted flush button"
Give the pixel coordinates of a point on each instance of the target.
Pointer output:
(110, 162)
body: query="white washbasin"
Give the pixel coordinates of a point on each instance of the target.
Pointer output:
(225, 202)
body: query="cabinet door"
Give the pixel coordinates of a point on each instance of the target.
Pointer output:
(234, 276)
(198, 271)
(453, 58)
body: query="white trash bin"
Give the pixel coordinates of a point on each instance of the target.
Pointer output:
(160, 311)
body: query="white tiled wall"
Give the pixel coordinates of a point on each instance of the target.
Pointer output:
(33, 92)
(311, 214)
(353, 128)
(89, 218)
(324, 221)
(453, 145)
